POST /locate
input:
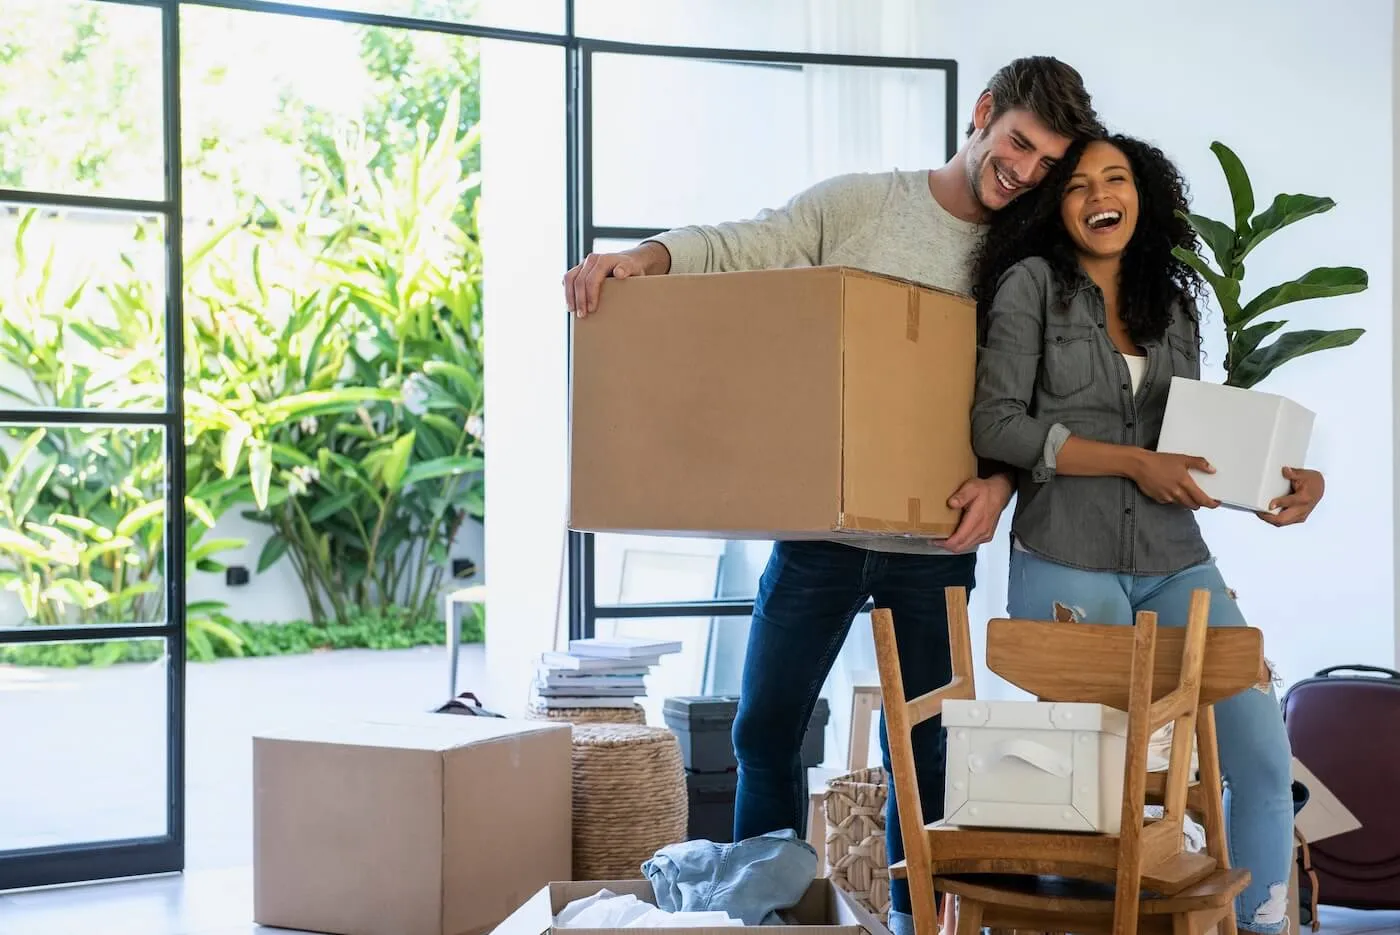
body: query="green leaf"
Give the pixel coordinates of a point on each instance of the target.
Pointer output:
(232, 445)
(11, 541)
(330, 506)
(1241, 192)
(1265, 360)
(1321, 283)
(1227, 290)
(31, 442)
(32, 486)
(94, 552)
(434, 368)
(272, 552)
(139, 517)
(396, 465)
(1218, 236)
(442, 467)
(1285, 210)
(1247, 340)
(197, 509)
(318, 402)
(260, 471)
(213, 547)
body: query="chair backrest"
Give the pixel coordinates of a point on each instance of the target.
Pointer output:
(1091, 662)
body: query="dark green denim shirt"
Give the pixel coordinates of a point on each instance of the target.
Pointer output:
(1047, 369)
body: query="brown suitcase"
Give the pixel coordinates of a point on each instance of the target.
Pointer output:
(1344, 724)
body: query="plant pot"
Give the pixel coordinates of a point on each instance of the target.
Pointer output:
(1249, 437)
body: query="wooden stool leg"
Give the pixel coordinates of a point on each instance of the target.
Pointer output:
(969, 917)
(816, 831)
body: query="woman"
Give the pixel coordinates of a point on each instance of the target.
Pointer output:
(1085, 315)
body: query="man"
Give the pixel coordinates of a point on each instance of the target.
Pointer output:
(923, 226)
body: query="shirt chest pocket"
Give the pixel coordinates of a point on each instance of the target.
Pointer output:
(1067, 364)
(1186, 356)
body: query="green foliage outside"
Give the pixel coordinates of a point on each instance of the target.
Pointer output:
(332, 320)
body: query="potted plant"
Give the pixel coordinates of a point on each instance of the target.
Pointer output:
(1249, 436)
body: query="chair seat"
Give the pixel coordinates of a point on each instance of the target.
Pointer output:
(1052, 894)
(1082, 856)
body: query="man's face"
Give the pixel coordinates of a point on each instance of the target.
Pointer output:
(1009, 156)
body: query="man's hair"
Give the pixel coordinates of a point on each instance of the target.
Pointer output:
(1048, 88)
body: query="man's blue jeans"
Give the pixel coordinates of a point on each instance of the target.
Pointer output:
(809, 594)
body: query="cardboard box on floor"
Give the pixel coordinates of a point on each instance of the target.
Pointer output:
(824, 910)
(425, 824)
(776, 404)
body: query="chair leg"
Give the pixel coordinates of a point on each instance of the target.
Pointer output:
(816, 831)
(969, 917)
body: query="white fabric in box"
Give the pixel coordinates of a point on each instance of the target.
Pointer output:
(1249, 437)
(1035, 765)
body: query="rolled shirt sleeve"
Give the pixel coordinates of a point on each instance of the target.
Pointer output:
(1008, 363)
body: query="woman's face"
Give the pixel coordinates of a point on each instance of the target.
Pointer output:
(1100, 205)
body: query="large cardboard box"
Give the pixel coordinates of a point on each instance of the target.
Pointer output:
(416, 825)
(777, 404)
(824, 910)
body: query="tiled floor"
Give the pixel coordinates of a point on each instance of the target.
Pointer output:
(112, 724)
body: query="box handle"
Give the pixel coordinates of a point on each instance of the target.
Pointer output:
(1036, 754)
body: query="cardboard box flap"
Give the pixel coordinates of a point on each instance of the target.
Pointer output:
(823, 910)
(1324, 815)
(856, 271)
(428, 732)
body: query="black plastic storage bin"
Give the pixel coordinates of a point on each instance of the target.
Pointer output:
(711, 800)
(703, 723)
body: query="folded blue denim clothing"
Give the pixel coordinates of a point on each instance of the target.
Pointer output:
(750, 879)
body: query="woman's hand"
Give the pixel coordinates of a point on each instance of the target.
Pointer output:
(1166, 478)
(1295, 507)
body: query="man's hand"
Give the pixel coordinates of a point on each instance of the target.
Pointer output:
(584, 282)
(1297, 506)
(982, 501)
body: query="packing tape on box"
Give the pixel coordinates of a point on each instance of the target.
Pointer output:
(911, 323)
(912, 524)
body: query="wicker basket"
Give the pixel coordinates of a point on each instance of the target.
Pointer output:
(630, 715)
(855, 838)
(629, 798)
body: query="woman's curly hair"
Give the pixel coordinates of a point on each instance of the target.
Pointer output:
(1152, 278)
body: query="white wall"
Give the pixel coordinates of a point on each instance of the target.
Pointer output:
(523, 231)
(1302, 96)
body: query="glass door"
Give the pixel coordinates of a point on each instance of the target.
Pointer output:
(92, 521)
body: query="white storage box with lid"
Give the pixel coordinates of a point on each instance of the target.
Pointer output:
(1035, 765)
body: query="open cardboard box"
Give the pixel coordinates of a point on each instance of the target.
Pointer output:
(824, 910)
(1322, 816)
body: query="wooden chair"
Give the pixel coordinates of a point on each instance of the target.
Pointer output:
(1156, 676)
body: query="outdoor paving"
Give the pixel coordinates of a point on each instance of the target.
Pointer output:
(85, 753)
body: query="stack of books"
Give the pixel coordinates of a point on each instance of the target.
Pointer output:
(598, 672)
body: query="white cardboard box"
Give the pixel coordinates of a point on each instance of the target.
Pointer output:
(1035, 765)
(1249, 437)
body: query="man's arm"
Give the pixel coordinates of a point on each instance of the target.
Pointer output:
(800, 233)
